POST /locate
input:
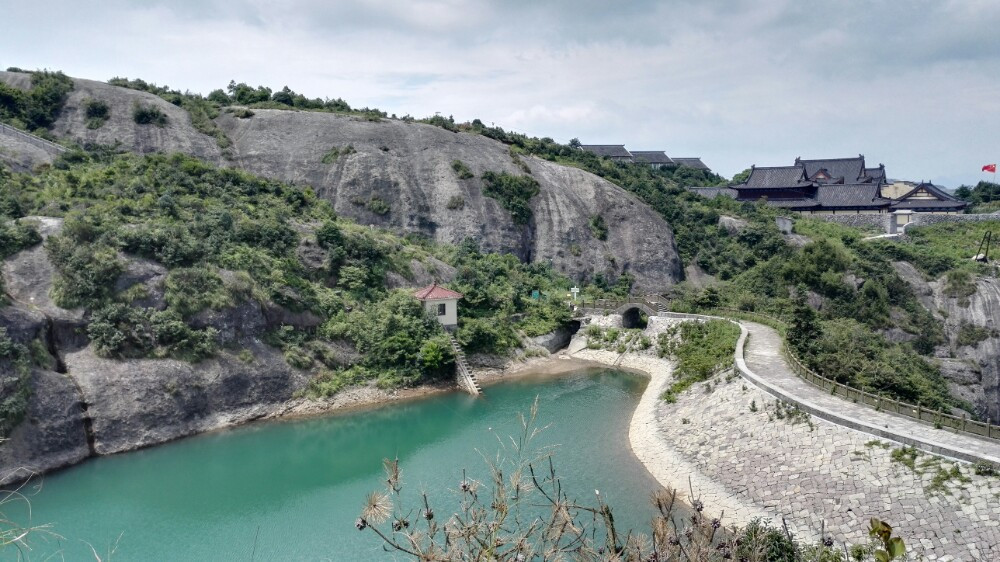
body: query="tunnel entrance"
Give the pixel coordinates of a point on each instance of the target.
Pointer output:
(634, 318)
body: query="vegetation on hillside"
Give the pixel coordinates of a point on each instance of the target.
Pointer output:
(14, 382)
(36, 109)
(984, 197)
(229, 238)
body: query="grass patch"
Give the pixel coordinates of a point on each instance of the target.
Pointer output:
(461, 170)
(144, 114)
(701, 349)
(335, 153)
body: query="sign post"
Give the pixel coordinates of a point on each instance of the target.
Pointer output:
(575, 291)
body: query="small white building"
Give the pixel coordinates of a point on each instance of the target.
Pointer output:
(440, 302)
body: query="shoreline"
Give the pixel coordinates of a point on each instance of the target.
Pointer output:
(668, 467)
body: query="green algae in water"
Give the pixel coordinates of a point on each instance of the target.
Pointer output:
(292, 490)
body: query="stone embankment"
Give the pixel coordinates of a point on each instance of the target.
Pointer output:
(750, 455)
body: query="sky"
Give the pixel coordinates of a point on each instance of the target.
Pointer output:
(914, 85)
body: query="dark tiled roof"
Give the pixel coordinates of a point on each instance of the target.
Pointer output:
(774, 177)
(850, 169)
(944, 200)
(876, 174)
(610, 150)
(652, 157)
(691, 163)
(857, 195)
(712, 192)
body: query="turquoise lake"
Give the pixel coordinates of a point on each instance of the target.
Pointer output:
(291, 490)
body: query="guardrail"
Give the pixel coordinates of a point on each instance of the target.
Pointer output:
(880, 403)
(33, 139)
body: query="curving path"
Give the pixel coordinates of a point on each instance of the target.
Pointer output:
(767, 369)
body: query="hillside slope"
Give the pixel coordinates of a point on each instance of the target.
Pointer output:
(408, 167)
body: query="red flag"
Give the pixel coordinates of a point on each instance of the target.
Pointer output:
(992, 168)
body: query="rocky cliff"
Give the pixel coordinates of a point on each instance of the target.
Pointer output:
(970, 359)
(407, 166)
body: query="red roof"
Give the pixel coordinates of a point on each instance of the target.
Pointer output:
(434, 292)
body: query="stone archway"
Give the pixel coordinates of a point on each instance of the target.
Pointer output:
(635, 317)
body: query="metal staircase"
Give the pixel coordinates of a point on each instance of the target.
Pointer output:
(466, 379)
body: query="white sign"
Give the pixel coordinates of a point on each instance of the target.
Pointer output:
(575, 291)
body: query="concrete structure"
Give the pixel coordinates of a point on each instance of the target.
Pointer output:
(442, 303)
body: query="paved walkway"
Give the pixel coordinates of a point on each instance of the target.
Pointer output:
(769, 371)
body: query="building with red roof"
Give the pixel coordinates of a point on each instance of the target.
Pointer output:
(440, 302)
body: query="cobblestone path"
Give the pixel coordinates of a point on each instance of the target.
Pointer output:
(763, 357)
(820, 475)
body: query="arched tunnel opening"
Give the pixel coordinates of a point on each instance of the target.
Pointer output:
(573, 326)
(634, 318)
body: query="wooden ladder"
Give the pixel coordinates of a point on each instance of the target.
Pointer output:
(466, 379)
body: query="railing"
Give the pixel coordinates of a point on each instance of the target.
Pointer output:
(880, 403)
(33, 139)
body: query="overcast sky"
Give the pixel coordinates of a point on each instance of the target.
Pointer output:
(912, 84)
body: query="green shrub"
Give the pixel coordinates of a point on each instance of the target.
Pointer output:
(193, 289)
(378, 206)
(148, 115)
(598, 228)
(456, 202)
(241, 112)
(16, 236)
(334, 153)
(960, 284)
(118, 330)
(15, 375)
(514, 193)
(971, 334)
(87, 272)
(97, 112)
(461, 170)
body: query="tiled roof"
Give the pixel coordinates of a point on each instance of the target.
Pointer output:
(610, 150)
(774, 177)
(850, 169)
(694, 162)
(436, 292)
(855, 195)
(876, 174)
(652, 157)
(944, 200)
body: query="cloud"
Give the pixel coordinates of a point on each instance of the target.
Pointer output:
(735, 82)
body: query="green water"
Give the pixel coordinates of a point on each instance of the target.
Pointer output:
(292, 490)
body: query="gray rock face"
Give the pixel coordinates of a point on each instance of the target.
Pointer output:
(554, 341)
(139, 402)
(52, 434)
(973, 372)
(982, 360)
(408, 167)
(733, 225)
(22, 156)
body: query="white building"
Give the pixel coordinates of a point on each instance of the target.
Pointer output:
(441, 303)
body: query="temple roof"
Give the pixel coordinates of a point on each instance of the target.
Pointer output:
(944, 199)
(850, 195)
(610, 150)
(849, 170)
(776, 177)
(436, 292)
(691, 162)
(652, 157)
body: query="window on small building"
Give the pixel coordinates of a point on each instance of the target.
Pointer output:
(441, 309)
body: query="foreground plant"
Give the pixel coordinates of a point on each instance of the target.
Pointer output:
(521, 512)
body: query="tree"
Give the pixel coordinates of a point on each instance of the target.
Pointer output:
(805, 330)
(574, 143)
